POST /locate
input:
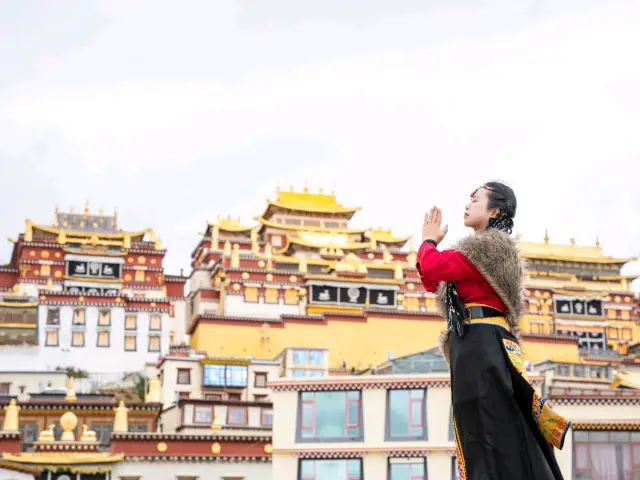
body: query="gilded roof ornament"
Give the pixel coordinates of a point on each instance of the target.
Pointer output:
(11, 417)
(546, 236)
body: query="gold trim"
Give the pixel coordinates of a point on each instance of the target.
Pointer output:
(309, 228)
(364, 279)
(18, 304)
(18, 325)
(63, 458)
(91, 279)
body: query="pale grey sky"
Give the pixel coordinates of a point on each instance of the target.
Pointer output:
(177, 111)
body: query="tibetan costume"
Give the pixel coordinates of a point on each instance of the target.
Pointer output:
(503, 428)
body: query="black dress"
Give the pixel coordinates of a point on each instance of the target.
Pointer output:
(504, 430)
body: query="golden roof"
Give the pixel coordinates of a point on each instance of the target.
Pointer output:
(309, 228)
(230, 224)
(385, 236)
(625, 380)
(91, 238)
(569, 253)
(306, 201)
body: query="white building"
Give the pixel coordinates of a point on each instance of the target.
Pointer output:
(88, 295)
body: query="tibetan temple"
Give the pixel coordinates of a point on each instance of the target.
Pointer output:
(303, 277)
(81, 288)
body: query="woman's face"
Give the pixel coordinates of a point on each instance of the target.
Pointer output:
(476, 213)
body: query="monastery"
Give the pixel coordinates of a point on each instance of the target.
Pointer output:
(303, 350)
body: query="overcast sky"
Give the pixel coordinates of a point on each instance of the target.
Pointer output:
(178, 111)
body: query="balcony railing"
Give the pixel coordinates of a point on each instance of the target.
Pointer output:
(592, 392)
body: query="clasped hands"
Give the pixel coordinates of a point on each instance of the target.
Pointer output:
(432, 228)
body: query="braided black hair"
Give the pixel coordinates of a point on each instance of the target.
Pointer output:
(501, 197)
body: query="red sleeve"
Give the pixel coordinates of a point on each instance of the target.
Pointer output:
(435, 267)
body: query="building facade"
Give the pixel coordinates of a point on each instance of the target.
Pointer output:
(302, 276)
(81, 290)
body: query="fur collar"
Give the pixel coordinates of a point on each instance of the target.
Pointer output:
(497, 257)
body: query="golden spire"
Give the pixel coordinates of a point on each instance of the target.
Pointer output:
(216, 426)
(86, 208)
(546, 236)
(573, 240)
(71, 393)
(57, 210)
(11, 417)
(306, 187)
(121, 420)
(598, 242)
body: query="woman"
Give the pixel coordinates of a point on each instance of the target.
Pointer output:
(503, 428)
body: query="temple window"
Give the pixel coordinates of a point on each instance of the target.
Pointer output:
(155, 322)
(611, 313)
(77, 339)
(271, 295)
(290, 296)
(624, 314)
(104, 318)
(626, 334)
(53, 316)
(412, 304)
(130, 343)
(184, 376)
(308, 357)
(52, 338)
(104, 339)
(326, 416)
(260, 380)
(140, 276)
(203, 415)
(610, 454)
(237, 415)
(79, 316)
(266, 417)
(138, 427)
(5, 388)
(130, 322)
(103, 433)
(154, 343)
(347, 469)
(406, 415)
(225, 375)
(407, 468)
(251, 294)
(29, 433)
(45, 270)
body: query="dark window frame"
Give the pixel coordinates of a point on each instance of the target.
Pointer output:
(246, 415)
(345, 439)
(108, 345)
(388, 437)
(302, 460)
(411, 477)
(260, 375)
(183, 370)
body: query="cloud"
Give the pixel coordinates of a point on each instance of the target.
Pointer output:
(545, 101)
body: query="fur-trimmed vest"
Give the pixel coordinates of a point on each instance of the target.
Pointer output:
(497, 258)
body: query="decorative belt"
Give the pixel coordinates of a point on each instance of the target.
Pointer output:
(478, 314)
(480, 311)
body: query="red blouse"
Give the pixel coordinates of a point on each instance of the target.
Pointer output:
(450, 265)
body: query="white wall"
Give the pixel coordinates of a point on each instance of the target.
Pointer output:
(11, 475)
(90, 358)
(236, 306)
(203, 471)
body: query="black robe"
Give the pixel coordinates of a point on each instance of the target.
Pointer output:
(503, 429)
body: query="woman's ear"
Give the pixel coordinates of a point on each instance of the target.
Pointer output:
(495, 212)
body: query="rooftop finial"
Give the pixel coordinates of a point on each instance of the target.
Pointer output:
(598, 242)
(306, 187)
(546, 236)
(573, 240)
(86, 208)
